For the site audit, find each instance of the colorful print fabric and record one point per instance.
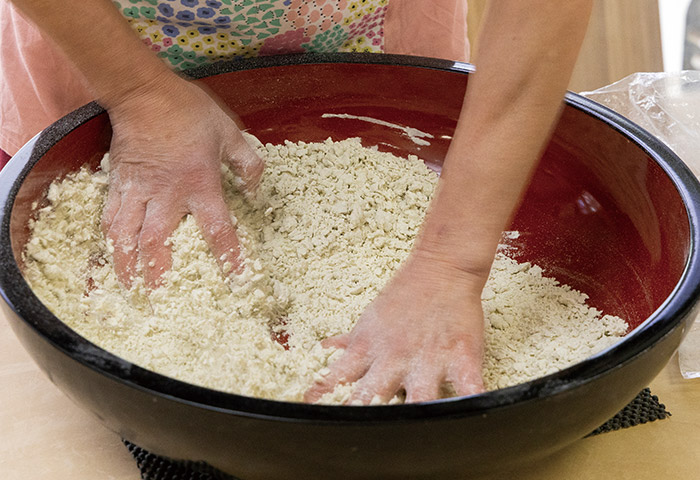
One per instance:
(188, 33)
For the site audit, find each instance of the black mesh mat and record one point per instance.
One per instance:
(644, 408)
(153, 467)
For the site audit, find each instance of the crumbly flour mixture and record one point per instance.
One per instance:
(330, 224)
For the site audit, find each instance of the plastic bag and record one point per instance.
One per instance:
(668, 106)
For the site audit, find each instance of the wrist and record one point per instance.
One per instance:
(467, 245)
(155, 80)
(472, 270)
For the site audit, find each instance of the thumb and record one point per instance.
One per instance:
(242, 157)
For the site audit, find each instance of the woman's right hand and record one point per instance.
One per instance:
(169, 140)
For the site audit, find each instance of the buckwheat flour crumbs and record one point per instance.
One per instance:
(330, 224)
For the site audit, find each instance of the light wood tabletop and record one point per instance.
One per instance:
(43, 435)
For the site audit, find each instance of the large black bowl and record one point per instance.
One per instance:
(610, 211)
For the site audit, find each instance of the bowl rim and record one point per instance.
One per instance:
(20, 298)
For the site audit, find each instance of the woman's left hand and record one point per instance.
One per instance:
(424, 329)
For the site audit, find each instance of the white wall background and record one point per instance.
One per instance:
(672, 15)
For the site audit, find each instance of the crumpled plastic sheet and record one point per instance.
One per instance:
(667, 105)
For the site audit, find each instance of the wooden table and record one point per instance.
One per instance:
(43, 435)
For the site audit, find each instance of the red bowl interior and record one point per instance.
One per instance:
(600, 215)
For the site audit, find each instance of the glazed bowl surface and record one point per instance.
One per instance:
(610, 211)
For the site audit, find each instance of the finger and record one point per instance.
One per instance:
(110, 210)
(245, 162)
(123, 233)
(423, 385)
(214, 221)
(337, 341)
(466, 377)
(379, 384)
(465, 370)
(347, 369)
(155, 254)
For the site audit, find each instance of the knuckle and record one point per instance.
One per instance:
(250, 167)
(219, 230)
(343, 373)
(327, 383)
(122, 242)
(151, 239)
(255, 168)
(362, 395)
(358, 347)
(464, 345)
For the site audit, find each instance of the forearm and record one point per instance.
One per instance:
(100, 43)
(526, 55)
